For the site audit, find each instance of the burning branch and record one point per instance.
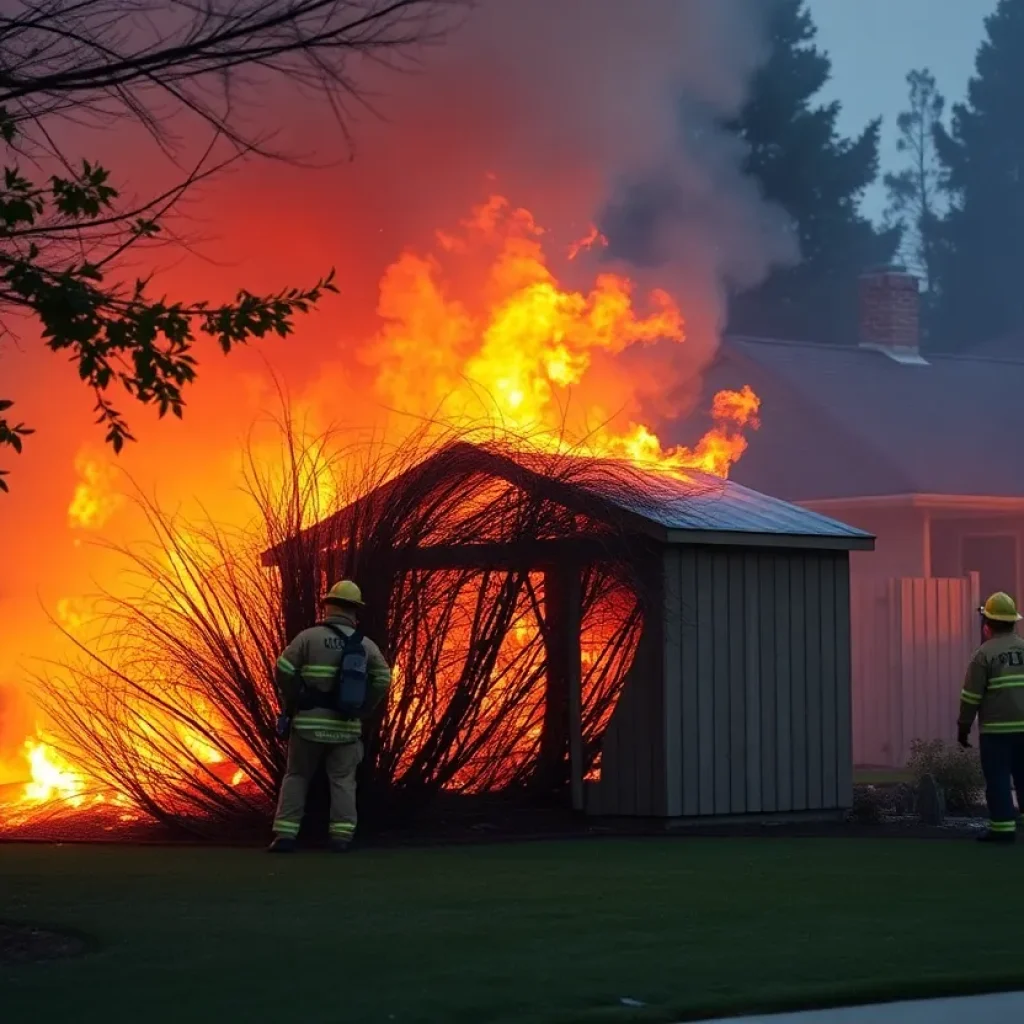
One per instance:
(170, 707)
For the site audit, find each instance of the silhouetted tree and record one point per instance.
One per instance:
(63, 224)
(979, 272)
(819, 178)
(916, 201)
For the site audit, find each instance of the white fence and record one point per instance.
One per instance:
(911, 641)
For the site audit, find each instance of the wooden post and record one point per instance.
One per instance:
(573, 598)
(563, 709)
(554, 739)
(974, 585)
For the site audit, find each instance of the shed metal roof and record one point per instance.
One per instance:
(699, 509)
(718, 511)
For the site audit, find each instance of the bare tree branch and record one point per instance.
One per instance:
(170, 704)
(96, 63)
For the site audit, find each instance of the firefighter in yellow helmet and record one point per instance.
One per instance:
(329, 678)
(994, 691)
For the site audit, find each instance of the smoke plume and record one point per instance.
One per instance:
(587, 112)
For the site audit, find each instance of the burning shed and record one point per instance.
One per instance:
(636, 642)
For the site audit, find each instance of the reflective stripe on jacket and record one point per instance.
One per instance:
(994, 686)
(314, 657)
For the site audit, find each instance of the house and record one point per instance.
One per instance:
(922, 451)
(736, 699)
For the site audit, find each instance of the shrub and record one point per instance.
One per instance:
(957, 771)
(869, 805)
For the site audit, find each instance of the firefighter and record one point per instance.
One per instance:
(329, 678)
(994, 691)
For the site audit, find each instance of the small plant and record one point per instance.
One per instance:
(956, 770)
(869, 806)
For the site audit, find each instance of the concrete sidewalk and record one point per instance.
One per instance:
(993, 1009)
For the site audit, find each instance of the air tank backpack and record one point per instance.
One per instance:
(351, 684)
(349, 694)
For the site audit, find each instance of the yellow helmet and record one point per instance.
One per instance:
(1000, 607)
(345, 592)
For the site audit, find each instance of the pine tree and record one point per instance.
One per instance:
(804, 165)
(915, 193)
(980, 273)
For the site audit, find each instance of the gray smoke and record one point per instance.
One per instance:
(586, 111)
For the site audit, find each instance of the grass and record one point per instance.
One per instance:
(553, 932)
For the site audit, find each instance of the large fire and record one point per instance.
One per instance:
(481, 333)
(56, 785)
(513, 346)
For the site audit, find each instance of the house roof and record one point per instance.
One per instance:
(700, 509)
(846, 422)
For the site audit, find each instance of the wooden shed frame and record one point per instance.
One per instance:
(739, 700)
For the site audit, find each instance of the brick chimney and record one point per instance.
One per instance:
(890, 312)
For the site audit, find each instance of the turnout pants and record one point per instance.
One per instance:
(304, 757)
(1002, 761)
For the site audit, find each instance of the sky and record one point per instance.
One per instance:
(874, 43)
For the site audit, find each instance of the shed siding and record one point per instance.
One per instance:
(633, 779)
(763, 649)
(767, 682)
(844, 686)
(738, 700)
(779, 574)
(672, 669)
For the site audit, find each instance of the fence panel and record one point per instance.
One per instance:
(912, 639)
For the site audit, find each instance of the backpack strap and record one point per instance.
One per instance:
(352, 645)
(350, 640)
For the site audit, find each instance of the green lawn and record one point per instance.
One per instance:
(536, 932)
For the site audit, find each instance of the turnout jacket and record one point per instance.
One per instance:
(994, 686)
(312, 660)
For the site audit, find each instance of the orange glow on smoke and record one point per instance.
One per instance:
(480, 333)
(585, 244)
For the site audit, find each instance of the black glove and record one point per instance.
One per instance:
(283, 725)
(963, 738)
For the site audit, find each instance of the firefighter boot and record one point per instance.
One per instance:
(282, 844)
(990, 836)
(341, 846)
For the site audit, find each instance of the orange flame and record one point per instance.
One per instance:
(508, 349)
(479, 334)
(52, 777)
